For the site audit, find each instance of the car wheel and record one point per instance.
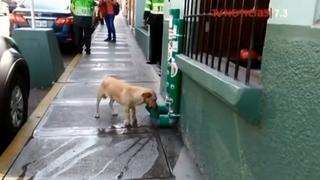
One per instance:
(16, 105)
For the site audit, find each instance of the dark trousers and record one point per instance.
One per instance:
(155, 46)
(110, 27)
(82, 37)
(101, 21)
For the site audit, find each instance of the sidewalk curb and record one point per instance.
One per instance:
(11, 153)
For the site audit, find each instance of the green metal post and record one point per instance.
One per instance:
(173, 84)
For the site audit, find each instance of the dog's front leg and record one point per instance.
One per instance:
(127, 120)
(133, 121)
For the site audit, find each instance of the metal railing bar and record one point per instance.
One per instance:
(208, 42)
(229, 40)
(248, 70)
(205, 47)
(238, 44)
(190, 30)
(222, 38)
(185, 18)
(202, 30)
(194, 31)
(214, 36)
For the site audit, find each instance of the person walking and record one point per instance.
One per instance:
(110, 20)
(83, 12)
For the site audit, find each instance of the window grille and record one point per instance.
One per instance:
(226, 35)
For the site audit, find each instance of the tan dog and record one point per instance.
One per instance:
(127, 95)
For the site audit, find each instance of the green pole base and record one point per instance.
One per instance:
(161, 117)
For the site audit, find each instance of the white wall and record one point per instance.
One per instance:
(299, 12)
(139, 12)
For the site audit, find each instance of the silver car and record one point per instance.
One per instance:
(14, 89)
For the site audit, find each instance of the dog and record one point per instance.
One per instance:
(127, 95)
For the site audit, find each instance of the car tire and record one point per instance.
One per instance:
(15, 105)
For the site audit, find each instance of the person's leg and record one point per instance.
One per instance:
(87, 39)
(159, 29)
(109, 28)
(113, 29)
(78, 37)
(152, 41)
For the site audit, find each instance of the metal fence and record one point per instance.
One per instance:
(227, 35)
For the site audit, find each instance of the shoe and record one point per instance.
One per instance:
(106, 40)
(88, 52)
(113, 41)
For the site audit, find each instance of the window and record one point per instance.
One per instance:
(227, 35)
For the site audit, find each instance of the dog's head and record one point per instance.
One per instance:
(150, 98)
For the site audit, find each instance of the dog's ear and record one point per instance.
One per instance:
(146, 95)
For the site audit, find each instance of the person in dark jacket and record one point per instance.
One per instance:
(83, 12)
(153, 16)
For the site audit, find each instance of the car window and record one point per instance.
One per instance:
(48, 4)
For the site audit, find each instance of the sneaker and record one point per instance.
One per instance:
(108, 39)
(88, 52)
(113, 41)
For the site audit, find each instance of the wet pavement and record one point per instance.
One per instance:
(69, 143)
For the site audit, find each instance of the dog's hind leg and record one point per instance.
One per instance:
(111, 107)
(100, 95)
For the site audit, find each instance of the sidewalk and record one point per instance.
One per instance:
(69, 143)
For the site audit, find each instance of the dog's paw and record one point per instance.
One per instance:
(97, 116)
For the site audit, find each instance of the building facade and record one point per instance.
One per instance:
(264, 125)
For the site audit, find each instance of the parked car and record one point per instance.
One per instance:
(14, 88)
(4, 19)
(48, 14)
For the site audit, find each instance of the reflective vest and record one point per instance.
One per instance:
(154, 6)
(82, 7)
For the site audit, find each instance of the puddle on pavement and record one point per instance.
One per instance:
(118, 129)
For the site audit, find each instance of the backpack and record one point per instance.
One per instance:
(116, 8)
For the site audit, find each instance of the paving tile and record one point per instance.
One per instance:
(125, 156)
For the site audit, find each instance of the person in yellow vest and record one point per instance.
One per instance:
(83, 11)
(153, 16)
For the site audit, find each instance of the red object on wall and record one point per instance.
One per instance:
(244, 55)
